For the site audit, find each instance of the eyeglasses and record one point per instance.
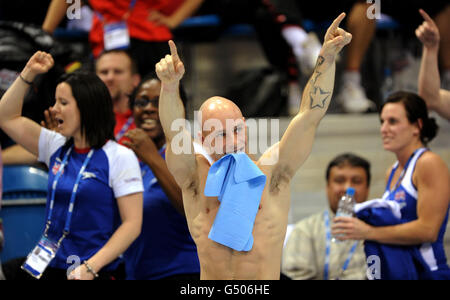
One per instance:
(143, 102)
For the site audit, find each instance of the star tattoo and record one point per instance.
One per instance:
(318, 97)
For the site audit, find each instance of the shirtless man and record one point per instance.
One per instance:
(190, 170)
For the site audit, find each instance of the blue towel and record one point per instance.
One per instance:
(238, 183)
(396, 262)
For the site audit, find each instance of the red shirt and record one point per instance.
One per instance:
(139, 27)
(121, 122)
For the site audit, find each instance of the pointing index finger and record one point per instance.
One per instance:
(425, 16)
(337, 21)
(173, 50)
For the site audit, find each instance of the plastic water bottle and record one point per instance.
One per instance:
(345, 207)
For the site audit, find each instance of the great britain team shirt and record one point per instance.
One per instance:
(112, 172)
(406, 195)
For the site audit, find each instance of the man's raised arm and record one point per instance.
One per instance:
(297, 141)
(180, 153)
(437, 99)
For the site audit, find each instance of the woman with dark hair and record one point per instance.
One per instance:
(165, 248)
(94, 203)
(418, 182)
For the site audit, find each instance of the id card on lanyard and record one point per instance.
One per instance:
(116, 34)
(41, 256)
(44, 252)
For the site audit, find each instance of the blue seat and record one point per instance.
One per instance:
(23, 209)
(70, 34)
(23, 181)
(387, 23)
(203, 21)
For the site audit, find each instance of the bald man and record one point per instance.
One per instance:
(223, 132)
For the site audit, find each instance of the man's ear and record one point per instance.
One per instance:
(136, 80)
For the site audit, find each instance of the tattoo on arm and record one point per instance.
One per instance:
(319, 62)
(318, 96)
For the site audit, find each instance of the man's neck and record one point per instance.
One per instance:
(121, 105)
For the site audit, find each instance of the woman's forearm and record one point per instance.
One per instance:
(12, 101)
(410, 233)
(116, 245)
(131, 211)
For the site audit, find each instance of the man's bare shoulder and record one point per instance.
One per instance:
(192, 185)
(202, 160)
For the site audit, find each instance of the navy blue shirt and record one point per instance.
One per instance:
(406, 194)
(165, 246)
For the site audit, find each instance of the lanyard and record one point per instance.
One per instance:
(124, 128)
(72, 197)
(163, 149)
(328, 247)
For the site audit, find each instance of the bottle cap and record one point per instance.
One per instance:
(350, 191)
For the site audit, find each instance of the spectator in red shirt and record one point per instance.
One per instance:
(118, 70)
(147, 39)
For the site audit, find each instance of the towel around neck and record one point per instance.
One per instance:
(238, 183)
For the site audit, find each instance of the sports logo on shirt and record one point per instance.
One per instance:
(87, 175)
(400, 198)
(133, 179)
(56, 167)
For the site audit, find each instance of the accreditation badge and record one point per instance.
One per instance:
(116, 36)
(41, 256)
